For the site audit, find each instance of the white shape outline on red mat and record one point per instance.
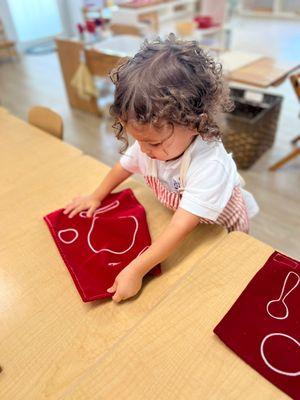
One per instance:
(68, 230)
(279, 371)
(109, 250)
(282, 292)
(288, 262)
(102, 210)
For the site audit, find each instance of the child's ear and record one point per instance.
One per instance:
(193, 132)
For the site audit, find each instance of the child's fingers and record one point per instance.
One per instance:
(74, 203)
(76, 211)
(69, 208)
(91, 211)
(113, 288)
(117, 297)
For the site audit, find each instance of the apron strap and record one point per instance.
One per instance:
(152, 169)
(185, 163)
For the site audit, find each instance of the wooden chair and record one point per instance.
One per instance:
(69, 56)
(99, 64)
(47, 120)
(152, 19)
(295, 80)
(119, 29)
(185, 28)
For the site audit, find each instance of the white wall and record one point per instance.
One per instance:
(71, 15)
(70, 12)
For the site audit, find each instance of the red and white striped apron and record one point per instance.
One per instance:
(234, 216)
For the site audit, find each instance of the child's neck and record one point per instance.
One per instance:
(180, 155)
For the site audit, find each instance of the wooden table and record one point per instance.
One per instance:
(49, 338)
(25, 150)
(157, 345)
(263, 73)
(172, 353)
(121, 45)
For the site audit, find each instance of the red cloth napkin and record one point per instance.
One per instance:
(263, 325)
(96, 249)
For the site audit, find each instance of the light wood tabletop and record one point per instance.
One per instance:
(26, 149)
(49, 338)
(3, 110)
(263, 73)
(172, 353)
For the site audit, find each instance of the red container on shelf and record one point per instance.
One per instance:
(205, 21)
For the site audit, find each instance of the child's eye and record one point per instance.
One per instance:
(155, 144)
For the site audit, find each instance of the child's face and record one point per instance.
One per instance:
(162, 144)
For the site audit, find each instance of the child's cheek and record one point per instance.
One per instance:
(164, 151)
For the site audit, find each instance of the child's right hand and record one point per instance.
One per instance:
(80, 203)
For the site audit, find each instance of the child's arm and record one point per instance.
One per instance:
(128, 282)
(91, 202)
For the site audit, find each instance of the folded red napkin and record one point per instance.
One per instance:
(263, 325)
(96, 249)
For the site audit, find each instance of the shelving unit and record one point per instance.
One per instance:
(165, 11)
(270, 8)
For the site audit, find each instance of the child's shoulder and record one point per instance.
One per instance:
(209, 149)
(207, 153)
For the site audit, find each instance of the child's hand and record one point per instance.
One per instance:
(127, 284)
(80, 203)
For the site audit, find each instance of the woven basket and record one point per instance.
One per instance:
(251, 127)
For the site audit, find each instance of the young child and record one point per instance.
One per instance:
(167, 98)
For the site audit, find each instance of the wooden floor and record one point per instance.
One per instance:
(37, 80)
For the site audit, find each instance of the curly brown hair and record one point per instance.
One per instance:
(169, 81)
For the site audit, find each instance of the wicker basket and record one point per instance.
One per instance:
(251, 127)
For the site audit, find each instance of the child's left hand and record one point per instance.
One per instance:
(127, 284)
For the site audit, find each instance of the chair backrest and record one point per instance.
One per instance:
(100, 64)
(69, 56)
(152, 19)
(47, 120)
(185, 28)
(118, 29)
(295, 80)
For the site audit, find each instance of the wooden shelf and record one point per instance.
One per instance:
(166, 11)
(277, 9)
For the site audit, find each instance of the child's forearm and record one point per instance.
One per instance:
(178, 229)
(115, 176)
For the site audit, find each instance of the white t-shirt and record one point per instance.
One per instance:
(209, 181)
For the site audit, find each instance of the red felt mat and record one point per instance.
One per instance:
(263, 325)
(96, 249)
